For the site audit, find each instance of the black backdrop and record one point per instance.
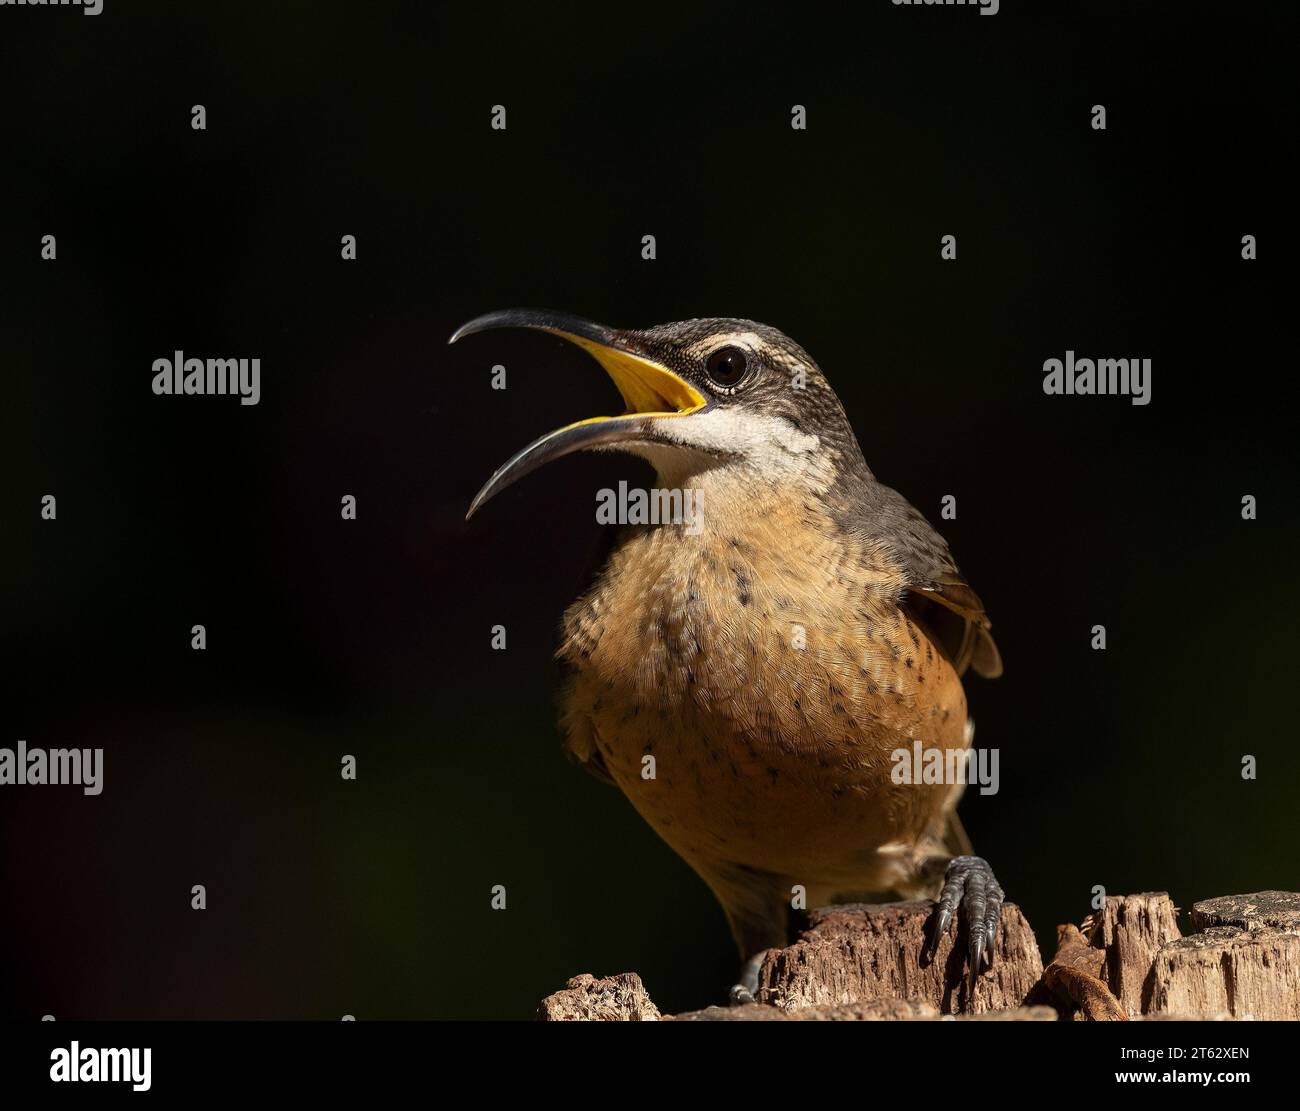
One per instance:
(1119, 768)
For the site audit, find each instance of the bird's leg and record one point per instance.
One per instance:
(970, 883)
(747, 989)
(758, 912)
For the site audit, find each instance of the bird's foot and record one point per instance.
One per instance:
(970, 883)
(746, 990)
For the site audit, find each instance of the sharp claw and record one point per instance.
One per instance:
(940, 928)
(969, 884)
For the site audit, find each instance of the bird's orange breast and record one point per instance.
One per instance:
(746, 687)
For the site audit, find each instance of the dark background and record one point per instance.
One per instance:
(327, 637)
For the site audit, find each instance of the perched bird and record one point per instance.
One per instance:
(772, 653)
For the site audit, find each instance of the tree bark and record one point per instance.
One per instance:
(621, 998)
(1132, 929)
(1278, 909)
(1227, 972)
(863, 953)
(869, 963)
(1074, 978)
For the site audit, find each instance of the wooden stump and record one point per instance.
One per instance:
(1245, 962)
(1131, 929)
(621, 998)
(1277, 909)
(867, 963)
(862, 953)
(1073, 978)
(882, 1010)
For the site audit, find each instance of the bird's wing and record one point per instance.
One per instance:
(967, 639)
(938, 596)
(579, 742)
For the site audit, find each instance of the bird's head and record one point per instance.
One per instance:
(716, 395)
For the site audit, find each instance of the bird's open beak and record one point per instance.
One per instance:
(650, 391)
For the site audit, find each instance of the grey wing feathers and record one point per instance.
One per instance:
(939, 598)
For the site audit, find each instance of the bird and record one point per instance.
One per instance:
(744, 677)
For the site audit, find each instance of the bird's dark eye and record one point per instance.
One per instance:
(727, 366)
